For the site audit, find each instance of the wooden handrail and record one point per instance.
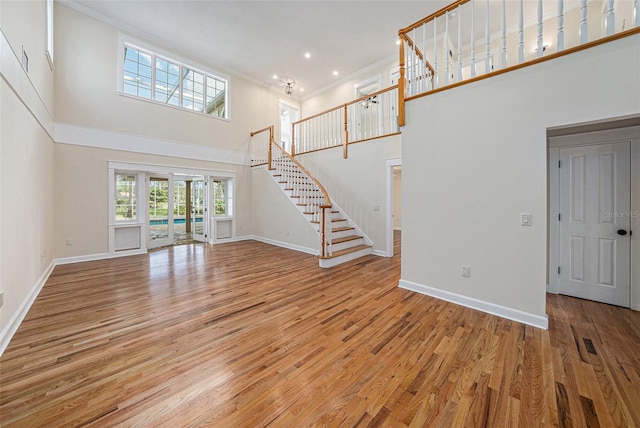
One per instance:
(299, 165)
(418, 51)
(435, 15)
(318, 114)
(267, 128)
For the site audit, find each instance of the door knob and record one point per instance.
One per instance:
(622, 232)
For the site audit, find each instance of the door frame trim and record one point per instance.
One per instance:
(390, 164)
(554, 144)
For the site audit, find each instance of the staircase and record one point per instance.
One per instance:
(343, 240)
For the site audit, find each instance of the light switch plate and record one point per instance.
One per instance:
(525, 219)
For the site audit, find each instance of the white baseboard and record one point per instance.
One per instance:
(99, 256)
(233, 239)
(481, 305)
(287, 245)
(380, 253)
(15, 321)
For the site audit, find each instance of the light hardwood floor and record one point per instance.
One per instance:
(249, 335)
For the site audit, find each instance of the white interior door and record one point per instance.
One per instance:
(595, 219)
(199, 209)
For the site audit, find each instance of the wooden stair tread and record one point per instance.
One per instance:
(345, 239)
(346, 251)
(342, 229)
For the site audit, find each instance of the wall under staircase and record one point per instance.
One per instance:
(284, 227)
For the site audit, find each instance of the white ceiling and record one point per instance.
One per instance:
(261, 38)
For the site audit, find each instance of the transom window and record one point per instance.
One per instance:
(152, 77)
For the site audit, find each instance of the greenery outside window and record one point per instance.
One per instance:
(152, 77)
(126, 198)
(222, 202)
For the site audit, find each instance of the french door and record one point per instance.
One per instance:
(199, 211)
(177, 209)
(161, 216)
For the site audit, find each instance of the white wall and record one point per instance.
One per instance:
(475, 157)
(358, 183)
(344, 90)
(276, 219)
(86, 93)
(81, 194)
(26, 162)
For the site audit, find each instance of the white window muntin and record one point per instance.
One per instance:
(156, 53)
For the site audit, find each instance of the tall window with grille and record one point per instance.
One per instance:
(126, 198)
(222, 201)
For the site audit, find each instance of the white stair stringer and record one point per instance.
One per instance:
(348, 242)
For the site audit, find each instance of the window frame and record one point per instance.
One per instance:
(157, 53)
(49, 33)
(114, 197)
(228, 197)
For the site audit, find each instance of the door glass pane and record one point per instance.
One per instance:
(181, 225)
(198, 207)
(158, 208)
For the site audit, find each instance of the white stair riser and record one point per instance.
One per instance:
(347, 244)
(342, 234)
(327, 263)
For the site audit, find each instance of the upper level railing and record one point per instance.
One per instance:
(368, 117)
(473, 39)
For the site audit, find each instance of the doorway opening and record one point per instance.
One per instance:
(289, 114)
(593, 212)
(177, 210)
(394, 205)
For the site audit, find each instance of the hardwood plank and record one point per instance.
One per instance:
(246, 334)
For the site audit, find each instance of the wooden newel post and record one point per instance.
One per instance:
(270, 146)
(345, 133)
(402, 83)
(293, 139)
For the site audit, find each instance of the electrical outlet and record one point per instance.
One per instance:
(466, 271)
(69, 242)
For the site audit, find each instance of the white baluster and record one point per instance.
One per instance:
(610, 18)
(540, 39)
(473, 39)
(560, 25)
(435, 52)
(521, 33)
(636, 12)
(487, 42)
(414, 59)
(584, 32)
(459, 45)
(446, 48)
(504, 34)
(423, 64)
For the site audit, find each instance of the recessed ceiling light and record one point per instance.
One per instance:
(301, 89)
(275, 76)
(398, 42)
(335, 72)
(307, 55)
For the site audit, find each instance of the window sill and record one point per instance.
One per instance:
(133, 97)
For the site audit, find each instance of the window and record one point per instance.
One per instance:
(49, 49)
(149, 76)
(125, 198)
(222, 202)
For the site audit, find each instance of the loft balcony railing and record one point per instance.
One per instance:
(473, 39)
(369, 117)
